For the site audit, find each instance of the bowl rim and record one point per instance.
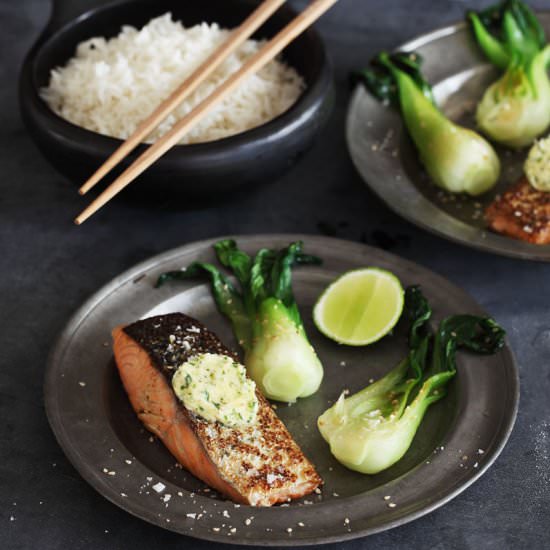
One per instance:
(88, 140)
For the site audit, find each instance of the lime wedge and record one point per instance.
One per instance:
(359, 307)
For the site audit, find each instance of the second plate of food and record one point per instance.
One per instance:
(94, 423)
(387, 160)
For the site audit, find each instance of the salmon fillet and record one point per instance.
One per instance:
(522, 212)
(259, 465)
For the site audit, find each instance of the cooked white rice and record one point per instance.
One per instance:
(110, 86)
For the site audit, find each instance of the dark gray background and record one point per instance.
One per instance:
(49, 267)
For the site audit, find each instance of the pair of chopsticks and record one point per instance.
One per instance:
(267, 53)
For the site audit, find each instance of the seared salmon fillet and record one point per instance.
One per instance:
(522, 212)
(259, 464)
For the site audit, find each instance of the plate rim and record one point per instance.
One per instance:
(505, 427)
(485, 240)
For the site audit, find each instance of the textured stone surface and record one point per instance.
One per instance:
(48, 267)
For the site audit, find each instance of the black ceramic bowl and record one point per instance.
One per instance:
(253, 157)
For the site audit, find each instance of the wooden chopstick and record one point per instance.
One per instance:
(244, 31)
(270, 50)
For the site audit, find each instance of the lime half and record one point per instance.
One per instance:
(360, 306)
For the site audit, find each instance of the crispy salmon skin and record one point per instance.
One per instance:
(522, 212)
(259, 465)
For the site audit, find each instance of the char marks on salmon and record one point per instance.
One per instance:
(258, 464)
(522, 212)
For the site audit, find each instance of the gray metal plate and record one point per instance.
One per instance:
(386, 158)
(100, 434)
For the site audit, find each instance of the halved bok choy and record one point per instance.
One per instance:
(264, 316)
(515, 109)
(371, 430)
(457, 159)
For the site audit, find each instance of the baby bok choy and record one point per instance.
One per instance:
(264, 316)
(515, 109)
(457, 158)
(371, 430)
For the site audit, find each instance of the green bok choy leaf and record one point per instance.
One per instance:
(515, 109)
(371, 430)
(264, 316)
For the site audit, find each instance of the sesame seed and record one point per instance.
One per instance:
(387, 497)
(480, 451)
(289, 529)
(233, 529)
(301, 524)
(392, 505)
(346, 521)
(83, 384)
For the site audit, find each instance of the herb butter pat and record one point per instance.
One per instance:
(216, 387)
(537, 165)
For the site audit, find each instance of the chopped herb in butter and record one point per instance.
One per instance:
(537, 165)
(216, 387)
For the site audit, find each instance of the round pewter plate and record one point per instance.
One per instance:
(100, 434)
(387, 160)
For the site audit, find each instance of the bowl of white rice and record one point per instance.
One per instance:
(93, 77)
